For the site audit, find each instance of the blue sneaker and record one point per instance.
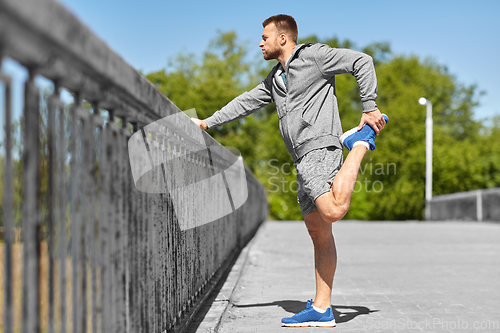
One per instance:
(310, 317)
(365, 134)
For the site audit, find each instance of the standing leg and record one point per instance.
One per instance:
(325, 257)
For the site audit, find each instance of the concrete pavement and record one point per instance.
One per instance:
(391, 277)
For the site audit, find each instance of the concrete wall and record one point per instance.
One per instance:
(477, 205)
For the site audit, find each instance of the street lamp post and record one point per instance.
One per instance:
(428, 157)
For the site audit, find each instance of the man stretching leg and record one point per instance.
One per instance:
(302, 85)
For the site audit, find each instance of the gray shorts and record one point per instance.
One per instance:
(314, 170)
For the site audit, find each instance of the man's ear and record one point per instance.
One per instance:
(283, 39)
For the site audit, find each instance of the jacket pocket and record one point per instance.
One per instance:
(301, 129)
(309, 116)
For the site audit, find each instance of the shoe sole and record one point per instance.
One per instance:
(354, 130)
(347, 134)
(312, 324)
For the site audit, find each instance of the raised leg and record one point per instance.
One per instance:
(333, 205)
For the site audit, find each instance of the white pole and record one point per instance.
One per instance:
(428, 157)
(428, 161)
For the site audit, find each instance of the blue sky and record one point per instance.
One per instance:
(462, 35)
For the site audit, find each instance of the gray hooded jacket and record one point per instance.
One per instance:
(307, 105)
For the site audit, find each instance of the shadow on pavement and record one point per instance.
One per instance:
(351, 313)
(341, 313)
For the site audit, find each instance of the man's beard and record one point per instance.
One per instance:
(273, 54)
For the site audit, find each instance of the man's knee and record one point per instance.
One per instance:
(334, 213)
(330, 210)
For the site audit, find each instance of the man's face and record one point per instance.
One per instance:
(269, 44)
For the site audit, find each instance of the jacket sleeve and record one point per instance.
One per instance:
(333, 61)
(243, 105)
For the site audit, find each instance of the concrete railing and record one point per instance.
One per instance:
(477, 205)
(98, 254)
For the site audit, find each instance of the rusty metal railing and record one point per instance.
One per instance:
(97, 255)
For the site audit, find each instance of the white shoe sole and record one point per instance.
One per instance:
(313, 324)
(347, 134)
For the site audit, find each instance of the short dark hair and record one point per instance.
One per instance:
(285, 25)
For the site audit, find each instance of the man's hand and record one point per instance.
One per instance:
(200, 123)
(374, 119)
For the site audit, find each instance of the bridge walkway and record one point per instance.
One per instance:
(391, 277)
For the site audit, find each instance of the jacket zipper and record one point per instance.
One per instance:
(287, 65)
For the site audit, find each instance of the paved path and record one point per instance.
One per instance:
(391, 277)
